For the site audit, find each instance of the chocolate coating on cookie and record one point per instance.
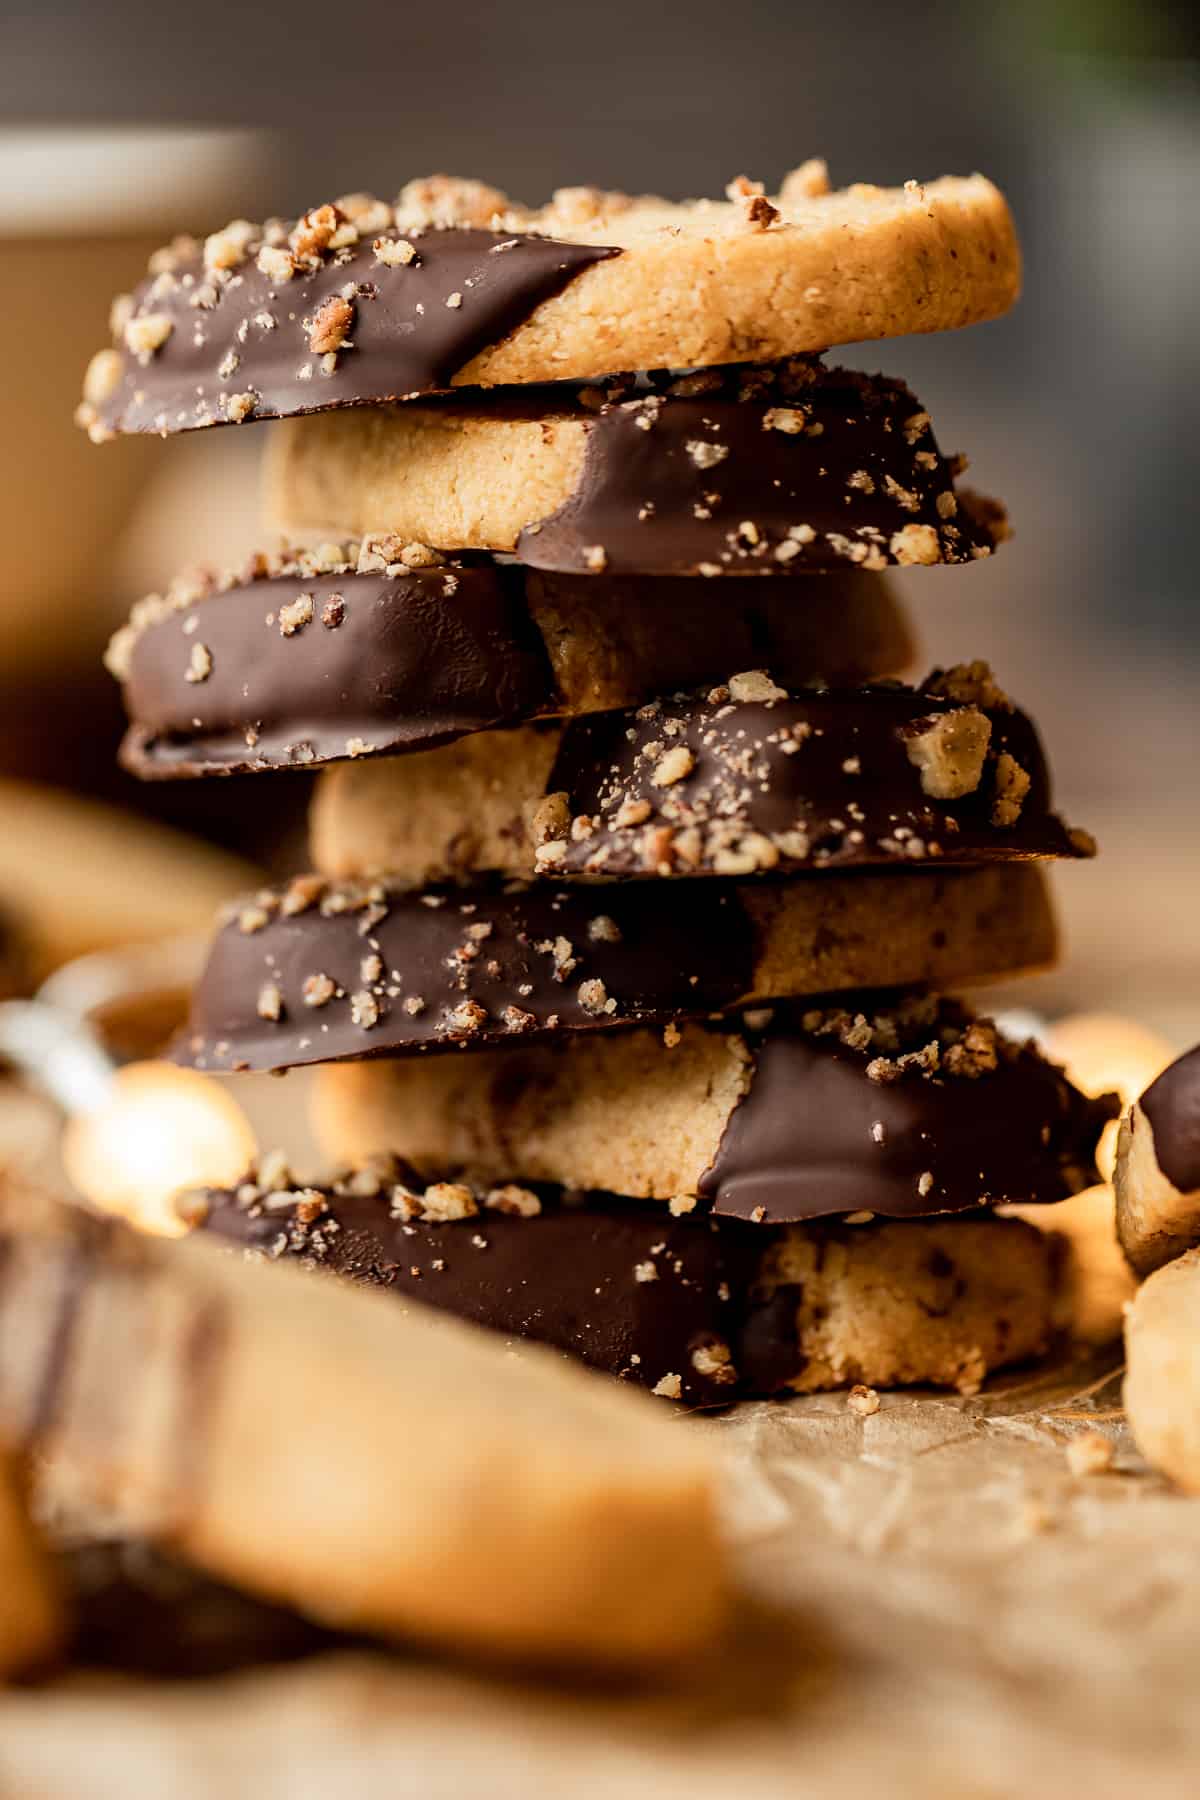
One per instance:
(1172, 1105)
(899, 1109)
(319, 972)
(317, 319)
(624, 1287)
(749, 778)
(285, 671)
(809, 469)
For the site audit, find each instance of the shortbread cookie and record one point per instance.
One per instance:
(362, 301)
(32, 1617)
(516, 1506)
(1162, 1370)
(702, 1310)
(776, 471)
(900, 1107)
(348, 650)
(742, 779)
(1158, 1168)
(318, 971)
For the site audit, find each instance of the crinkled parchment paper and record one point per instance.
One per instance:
(934, 1606)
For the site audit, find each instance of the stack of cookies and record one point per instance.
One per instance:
(639, 875)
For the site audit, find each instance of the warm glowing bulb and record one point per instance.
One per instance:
(160, 1131)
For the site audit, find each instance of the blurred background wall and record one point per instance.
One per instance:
(1081, 409)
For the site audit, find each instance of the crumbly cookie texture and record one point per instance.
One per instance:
(894, 1304)
(1162, 1370)
(1157, 1175)
(32, 1622)
(236, 1415)
(696, 283)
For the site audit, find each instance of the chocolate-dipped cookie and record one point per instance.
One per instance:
(361, 300)
(320, 971)
(696, 1309)
(898, 1107)
(749, 777)
(1157, 1175)
(782, 470)
(347, 651)
(741, 779)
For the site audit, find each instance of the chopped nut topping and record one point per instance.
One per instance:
(594, 998)
(595, 557)
(102, 378)
(295, 615)
(754, 685)
(517, 1202)
(715, 1363)
(270, 1002)
(238, 407)
(916, 544)
(364, 1009)
(950, 750)
(704, 454)
(318, 990)
(808, 182)
(550, 819)
(228, 249)
(330, 324)
(1012, 785)
(669, 1388)
(312, 235)
(200, 664)
(973, 684)
(788, 419)
(645, 1271)
(276, 263)
(148, 332)
(674, 765)
(394, 253)
(862, 1400)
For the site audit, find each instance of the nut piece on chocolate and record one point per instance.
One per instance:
(1158, 1168)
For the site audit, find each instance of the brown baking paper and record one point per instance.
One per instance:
(934, 1605)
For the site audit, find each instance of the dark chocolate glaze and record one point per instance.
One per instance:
(138, 1610)
(1172, 1105)
(815, 1135)
(520, 960)
(386, 663)
(825, 777)
(654, 502)
(404, 338)
(568, 1277)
